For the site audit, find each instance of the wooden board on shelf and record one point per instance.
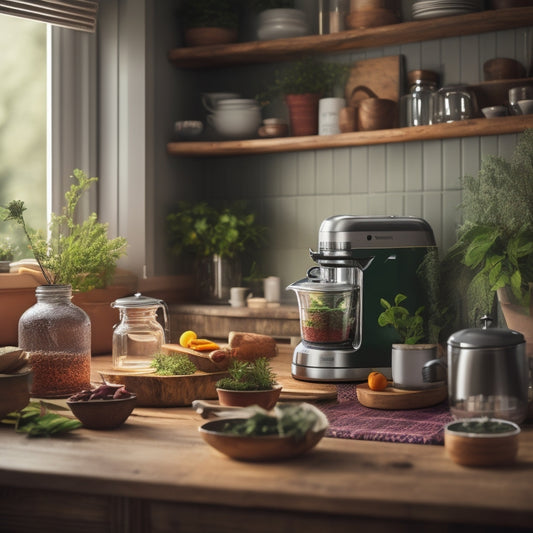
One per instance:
(382, 75)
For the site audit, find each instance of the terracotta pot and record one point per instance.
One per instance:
(209, 36)
(517, 317)
(263, 398)
(13, 302)
(303, 113)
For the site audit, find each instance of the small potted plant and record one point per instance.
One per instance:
(217, 239)
(7, 253)
(209, 22)
(408, 356)
(249, 383)
(303, 84)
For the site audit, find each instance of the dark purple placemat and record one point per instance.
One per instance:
(348, 419)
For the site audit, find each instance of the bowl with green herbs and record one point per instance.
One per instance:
(482, 441)
(289, 430)
(249, 383)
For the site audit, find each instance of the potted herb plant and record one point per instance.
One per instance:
(492, 258)
(78, 255)
(408, 356)
(303, 84)
(209, 22)
(7, 254)
(249, 383)
(217, 239)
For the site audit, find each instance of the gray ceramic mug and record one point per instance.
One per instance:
(407, 363)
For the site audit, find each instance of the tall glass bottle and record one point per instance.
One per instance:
(56, 334)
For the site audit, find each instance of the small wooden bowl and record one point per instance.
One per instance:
(209, 36)
(14, 391)
(481, 449)
(370, 18)
(266, 399)
(103, 414)
(503, 68)
(377, 114)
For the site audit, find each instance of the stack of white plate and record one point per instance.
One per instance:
(428, 9)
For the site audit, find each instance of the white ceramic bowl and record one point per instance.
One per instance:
(281, 24)
(236, 123)
(494, 111)
(526, 106)
(211, 100)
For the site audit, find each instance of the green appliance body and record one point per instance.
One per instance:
(378, 257)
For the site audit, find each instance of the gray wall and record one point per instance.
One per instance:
(293, 192)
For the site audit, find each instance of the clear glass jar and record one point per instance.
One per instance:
(56, 334)
(139, 336)
(418, 106)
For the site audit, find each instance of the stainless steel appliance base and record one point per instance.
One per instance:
(337, 364)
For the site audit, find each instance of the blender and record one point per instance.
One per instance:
(360, 259)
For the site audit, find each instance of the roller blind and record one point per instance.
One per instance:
(74, 14)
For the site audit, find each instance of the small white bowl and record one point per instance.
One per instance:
(494, 111)
(526, 106)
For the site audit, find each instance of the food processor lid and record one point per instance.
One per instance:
(137, 300)
(486, 337)
(318, 285)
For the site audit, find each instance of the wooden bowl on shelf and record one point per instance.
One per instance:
(370, 18)
(503, 68)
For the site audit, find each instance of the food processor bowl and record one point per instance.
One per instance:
(327, 311)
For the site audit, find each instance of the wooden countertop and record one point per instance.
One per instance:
(156, 474)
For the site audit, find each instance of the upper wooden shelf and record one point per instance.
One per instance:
(462, 128)
(405, 32)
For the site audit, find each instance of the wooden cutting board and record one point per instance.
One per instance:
(383, 75)
(392, 398)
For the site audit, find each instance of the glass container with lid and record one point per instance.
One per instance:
(139, 336)
(326, 311)
(418, 106)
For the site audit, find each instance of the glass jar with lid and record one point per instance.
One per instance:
(56, 334)
(417, 107)
(139, 336)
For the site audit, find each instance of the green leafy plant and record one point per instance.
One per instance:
(248, 375)
(37, 419)
(172, 365)
(75, 254)
(494, 247)
(210, 13)
(7, 249)
(410, 327)
(306, 76)
(203, 230)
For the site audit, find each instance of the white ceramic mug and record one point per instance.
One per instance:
(238, 296)
(328, 115)
(271, 289)
(407, 362)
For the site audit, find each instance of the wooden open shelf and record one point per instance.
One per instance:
(405, 32)
(463, 128)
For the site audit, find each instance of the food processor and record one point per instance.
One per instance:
(361, 259)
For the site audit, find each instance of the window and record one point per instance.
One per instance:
(23, 143)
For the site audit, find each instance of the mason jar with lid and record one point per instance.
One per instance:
(139, 336)
(56, 334)
(417, 107)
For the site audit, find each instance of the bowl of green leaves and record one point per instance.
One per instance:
(287, 431)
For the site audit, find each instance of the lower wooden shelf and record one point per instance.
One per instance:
(463, 128)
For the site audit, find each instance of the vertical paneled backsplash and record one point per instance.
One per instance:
(293, 192)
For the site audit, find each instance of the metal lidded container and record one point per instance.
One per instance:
(488, 373)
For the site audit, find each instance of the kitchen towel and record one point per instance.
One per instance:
(348, 419)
